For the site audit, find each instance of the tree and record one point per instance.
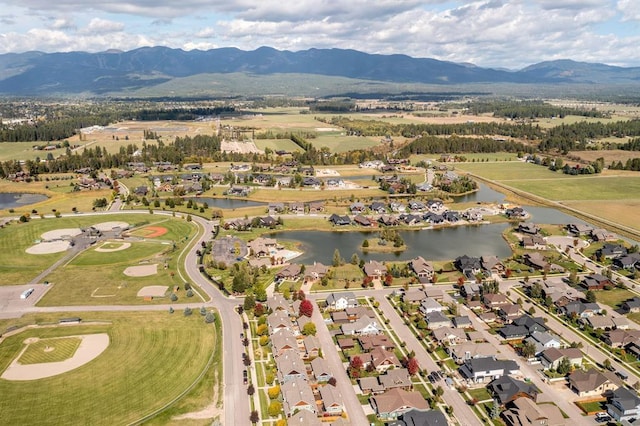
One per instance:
(564, 367)
(388, 279)
(187, 311)
(355, 366)
(258, 310)
(189, 293)
(590, 296)
(337, 259)
(203, 311)
(607, 364)
(209, 318)
(332, 381)
(495, 410)
(413, 366)
(355, 259)
(274, 408)
(528, 349)
(309, 329)
(249, 302)
(274, 392)
(438, 392)
(251, 389)
(262, 330)
(254, 417)
(173, 297)
(306, 308)
(365, 243)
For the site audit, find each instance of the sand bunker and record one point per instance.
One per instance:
(49, 247)
(122, 246)
(141, 271)
(109, 226)
(153, 291)
(61, 234)
(90, 347)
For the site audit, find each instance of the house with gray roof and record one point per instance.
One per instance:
(479, 370)
(428, 305)
(421, 418)
(331, 400)
(290, 367)
(320, 370)
(339, 301)
(283, 340)
(362, 326)
(506, 389)
(470, 350)
(543, 340)
(374, 269)
(297, 395)
(436, 320)
(624, 405)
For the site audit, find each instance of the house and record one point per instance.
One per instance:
(470, 350)
(596, 282)
(631, 305)
(375, 270)
(495, 301)
(279, 320)
(581, 309)
(599, 322)
(531, 323)
(296, 208)
(428, 305)
(378, 207)
(579, 229)
(620, 323)
(331, 400)
(392, 403)
(316, 207)
(448, 336)
(345, 343)
(297, 395)
(513, 332)
(396, 378)
(509, 312)
(303, 418)
(368, 343)
(357, 312)
(469, 266)
(276, 208)
(543, 340)
(621, 338)
(380, 359)
(290, 367)
(414, 296)
(338, 220)
(290, 272)
(141, 191)
(488, 317)
(362, 326)
(357, 207)
(493, 264)
(267, 222)
(590, 383)
(528, 228)
(315, 272)
(311, 345)
(537, 261)
(436, 320)
(282, 341)
(371, 385)
(525, 412)
(423, 269)
(602, 235)
(533, 242)
(462, 322)
(262, 247)
(320, 370)
(341, 300)
(506, 389)
(387, 220)
(362, 220)
(277, 302)
(550, 358)
(516, 213)
(479, 370)
(421, 418)
(470, 290)
(624, 404)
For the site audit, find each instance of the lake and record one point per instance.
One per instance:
(433, 244)
(10, 200)
(225, 203)
(484, 194)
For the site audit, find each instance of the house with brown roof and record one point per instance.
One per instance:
(283, 340)
(414, 296)
(470, 350)
(290, 367)
(619, 338)
(277, 302)
(375, 270)
(590, 383)
(390, 404)
(533, 242)
(279, 320)
(304, 418)
(290, 272)
(550, 358)
(495, 301)
(331, 400)
(320, 370)
(345, 343)
(370, 385)
(449, 336)
(297, 395)
(369, 343)
(423, 269)
(525, 412)
(509, 312)
(596, 282)
(396, 378)
(311, 345)
(380, 359)
(315, 272)
(356, 312)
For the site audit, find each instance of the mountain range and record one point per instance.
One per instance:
(116, 72)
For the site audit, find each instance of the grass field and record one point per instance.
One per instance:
(278, 144)
(24, 151)
(608, 155)
(508, 171)
(50, 350)
(337, 142)
(625, 212)
(613, 297)
(148, 363)
(96, 278)
(16, 267)
(582, 188)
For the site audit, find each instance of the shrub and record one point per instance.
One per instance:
(173, 297)
(274, 408)
(274, 392)
(209, 318)
(264, 340)
(189, 293)
(269, 378)
(203, 311)
(187, 311)
(171, 310)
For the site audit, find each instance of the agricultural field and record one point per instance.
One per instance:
(608, 155)
(508, 171)
(547, 123)
(593, 187)
(625, 212)
(18, 267)
(338, 142)
(146, 365)
(25, 151)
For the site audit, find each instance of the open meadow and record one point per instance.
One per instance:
(149, 362)
(18, 267)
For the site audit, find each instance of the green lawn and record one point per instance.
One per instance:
(278, 144)
(337, 142)
(592, 406)
(151, 359)
(345, 274)
(613, 297)
(508, 171)
(50, 350)
(593, 187)
(481, 394)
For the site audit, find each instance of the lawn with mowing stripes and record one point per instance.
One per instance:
(50, 350)
(17, 267)
(152, 357)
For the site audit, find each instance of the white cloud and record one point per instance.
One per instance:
(102, 26)
(63, 24)
(630, 10)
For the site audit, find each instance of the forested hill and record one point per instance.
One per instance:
(37, 73)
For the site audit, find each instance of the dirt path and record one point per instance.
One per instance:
(211, 411)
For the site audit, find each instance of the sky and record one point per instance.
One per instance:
(490, 33)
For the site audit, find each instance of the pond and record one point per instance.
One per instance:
(432, 244)
(484, 194)
(10, 200)
(226, 203)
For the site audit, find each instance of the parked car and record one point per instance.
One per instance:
(245, 377)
